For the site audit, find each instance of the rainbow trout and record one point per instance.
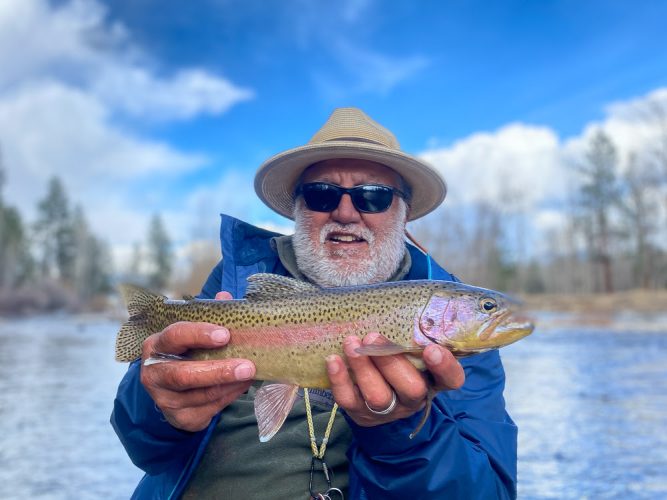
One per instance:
(288, 327)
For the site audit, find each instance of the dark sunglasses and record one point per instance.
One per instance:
(366, 198)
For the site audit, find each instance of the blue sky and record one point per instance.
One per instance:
(437, 69)
(170, 106)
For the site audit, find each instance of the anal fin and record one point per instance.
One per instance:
(273, 402)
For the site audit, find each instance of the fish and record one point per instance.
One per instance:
(287, 328)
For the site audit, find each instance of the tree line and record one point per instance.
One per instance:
(58, 262)
(614, 235)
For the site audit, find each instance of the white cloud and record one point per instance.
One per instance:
(533, 162)
(73, 44)
(37, 40)
(321, 23)
(68, 80)
(372, 71)
(528, 169)
(187, 94)
(233, 195)
(339, 33)
(518, 164)
(48, 129)
(549, 220)
(636, 126)
(362, 70)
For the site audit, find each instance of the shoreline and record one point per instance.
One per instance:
(639, 301)
(631, 310)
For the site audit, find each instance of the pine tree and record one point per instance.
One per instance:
(15, 259)
(92, 268)
(159, 254)
(55, 234)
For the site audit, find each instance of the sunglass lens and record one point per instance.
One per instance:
(373, 199)
(321, 197)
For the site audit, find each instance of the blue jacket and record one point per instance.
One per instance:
(466, 450)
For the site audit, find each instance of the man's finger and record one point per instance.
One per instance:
(223, 296)
(373, 387)
(343, 389)
(179, 337)
(402, 376)
(179, 376)
(194, 419)
(445, 368)
(171, 401)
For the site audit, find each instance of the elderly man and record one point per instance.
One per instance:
(190, 425)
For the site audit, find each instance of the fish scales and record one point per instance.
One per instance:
(289, 337)
(288, 328)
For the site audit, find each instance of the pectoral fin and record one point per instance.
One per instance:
(273, 402)
(163, 357)
(388, 349)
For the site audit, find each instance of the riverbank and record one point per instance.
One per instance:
(640, 310)
(641, 301)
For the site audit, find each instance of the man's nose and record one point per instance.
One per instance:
(345, 211)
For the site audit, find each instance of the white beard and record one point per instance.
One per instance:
(327, 269)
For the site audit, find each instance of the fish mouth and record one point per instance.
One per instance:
(515, 327)
(506, 328)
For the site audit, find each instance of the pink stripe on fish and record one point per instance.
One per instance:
(300, 335)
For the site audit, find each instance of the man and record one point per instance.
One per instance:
(190, 425)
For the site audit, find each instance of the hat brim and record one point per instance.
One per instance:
(276, 178)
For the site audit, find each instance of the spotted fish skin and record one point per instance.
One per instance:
(287, 336)
(288, 327)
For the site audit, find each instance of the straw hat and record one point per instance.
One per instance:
(348, 133)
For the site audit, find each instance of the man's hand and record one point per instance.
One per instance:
(191, 393)
(374, 378)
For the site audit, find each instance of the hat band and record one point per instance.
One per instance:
(354, 139)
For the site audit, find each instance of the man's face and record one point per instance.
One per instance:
(347, 247)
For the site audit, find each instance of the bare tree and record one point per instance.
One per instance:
(599, 194)
(655, 115)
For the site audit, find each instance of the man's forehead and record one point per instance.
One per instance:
(357, 171)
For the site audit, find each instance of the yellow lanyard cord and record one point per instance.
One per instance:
(311, 429)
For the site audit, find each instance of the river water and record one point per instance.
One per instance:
(591, 406)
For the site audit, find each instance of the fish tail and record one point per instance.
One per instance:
(140, 303)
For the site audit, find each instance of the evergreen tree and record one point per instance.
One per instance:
(15, 259)
(136, 262)
(159, 254)
(55, 233)
(92, 260)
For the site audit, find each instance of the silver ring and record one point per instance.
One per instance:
(388, 409)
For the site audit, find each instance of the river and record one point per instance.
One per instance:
(591, 406)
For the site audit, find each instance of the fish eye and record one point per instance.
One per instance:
(488, 304)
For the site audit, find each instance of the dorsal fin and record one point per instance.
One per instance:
(264, 286)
